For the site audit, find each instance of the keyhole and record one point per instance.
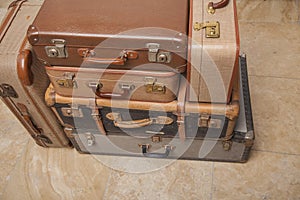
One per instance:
(53, 53)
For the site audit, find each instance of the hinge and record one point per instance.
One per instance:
(68, 80)
(212, 29)
(58, 50)
(153, 87)
(7, 90)
(155, 55)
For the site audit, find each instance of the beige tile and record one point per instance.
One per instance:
(56, 174)
(5, 3)
(272, 49)
(265, 176)
(268, 11)
(181, 180)
(276, 113)
(13, 141)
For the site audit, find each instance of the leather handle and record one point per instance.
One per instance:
(133, 123)
(89, 57)
(108, 95)
(108, 61)
(24, 61)
(213, 6)
(156, 155)
(118, 122)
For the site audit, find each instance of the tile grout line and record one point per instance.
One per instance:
(281, 153)
(212, 181)
(107, 183)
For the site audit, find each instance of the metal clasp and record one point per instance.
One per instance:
(212, 29)
(90, 139)
(7, 91)
(57, 51)
(153, 87)
(68, 80)
(155, 55)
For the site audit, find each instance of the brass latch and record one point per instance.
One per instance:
(68, 80)
(212, 29)
(153, 87)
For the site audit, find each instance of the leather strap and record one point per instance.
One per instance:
(14, 8)
(181, 108)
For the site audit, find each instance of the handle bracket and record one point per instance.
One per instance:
(146, 147)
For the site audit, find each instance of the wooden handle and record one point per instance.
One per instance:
(213, 6)
(24, 61)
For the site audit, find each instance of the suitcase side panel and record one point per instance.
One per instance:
(29, 97)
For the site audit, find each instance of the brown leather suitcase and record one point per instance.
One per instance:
(136, 84)
(178, 129)
(116, 34)
(23, 81)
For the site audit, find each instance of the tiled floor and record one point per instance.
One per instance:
(270, 32)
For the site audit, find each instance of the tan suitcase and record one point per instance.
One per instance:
(214, 50)
(136, 85)
(23, 81)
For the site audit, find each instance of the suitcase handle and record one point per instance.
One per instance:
(145, 147)
(24, 61)
(108, 95)
(88, 56)
(118, 122)
(213, 6)
(133, 124)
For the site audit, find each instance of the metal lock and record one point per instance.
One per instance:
(156, 138)
(90, 139)
(153, 87)
(155, 55)
(71, 112)
(212, 29)
(58, 50)
(68, 80)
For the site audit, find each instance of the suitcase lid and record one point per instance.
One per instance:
(88, 23)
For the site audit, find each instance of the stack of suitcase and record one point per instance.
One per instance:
(165, 82)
